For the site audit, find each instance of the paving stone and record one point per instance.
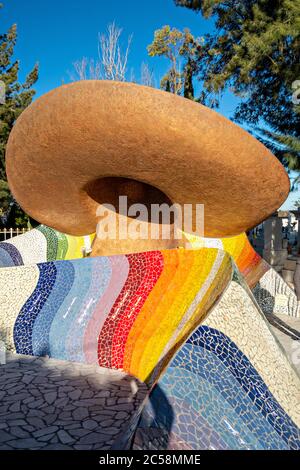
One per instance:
(61, 402)
(27, 378)
(28, 400)
(50, 397)
(66, 389)
(39, 380)
(15, 406)
(80, 414)
(90, 424)
(16, 397)
(87, 393)
(16, 389)
(123, 400)
(123, 407)
(65, 415)
(59, 447)
(44, 431)
(36, 422)
(11, 416)
(29, 428)
(4, 436)
(36, 403)
(93, 438)
(69, 407)
(79, 432)
(28, 443)
(49, 409)
(111, 401)
(3, 409)
(103, 393)
(19, 432)
(112, 430)
(46, 438)
(34, 392)
(72, 425)
(64, 437)
(17, 422)
(83, 447)
(50, 419)
(106, 423)
(122, 415)
(38, 413)
(75, 394)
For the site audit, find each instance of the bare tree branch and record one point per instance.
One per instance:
(111, 57)
(147, 75)
(112, 60)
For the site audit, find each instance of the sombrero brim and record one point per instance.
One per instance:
(88, 130)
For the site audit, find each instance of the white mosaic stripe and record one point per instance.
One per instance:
(282, 300)
(237, 316)
(32, 246)
(17, 284)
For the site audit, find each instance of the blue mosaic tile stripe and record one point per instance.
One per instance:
(178, 418)
(200, 378)
(67, 312)
(30, 310)
(13, 253)
(41, 328)
(5, 258)
(244, 372)
(99, 279)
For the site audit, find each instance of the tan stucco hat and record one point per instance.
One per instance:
(67, 141)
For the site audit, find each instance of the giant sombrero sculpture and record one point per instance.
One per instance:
(85, 144)
(182, 319)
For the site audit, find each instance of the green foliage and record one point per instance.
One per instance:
(255, 52)
(17, 97)
(179, 47)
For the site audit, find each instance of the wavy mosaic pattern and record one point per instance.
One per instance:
(271, 292)
(40, 245)
(124, 312)
(45, 244)
(249, 263)
(229, 387)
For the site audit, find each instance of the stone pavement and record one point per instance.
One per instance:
(51, 404)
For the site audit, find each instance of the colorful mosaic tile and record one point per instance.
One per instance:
(229, 387)
(40, 245)
(145, 322)
(183, 321)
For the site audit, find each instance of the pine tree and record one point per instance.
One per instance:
(255, 52)
(180, 48)
(15, 98)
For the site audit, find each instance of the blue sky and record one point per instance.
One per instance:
(56, 33)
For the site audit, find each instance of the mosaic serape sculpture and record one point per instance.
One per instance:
(46, 244)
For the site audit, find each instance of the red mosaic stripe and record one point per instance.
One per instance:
(152, 267)
(127, 305)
